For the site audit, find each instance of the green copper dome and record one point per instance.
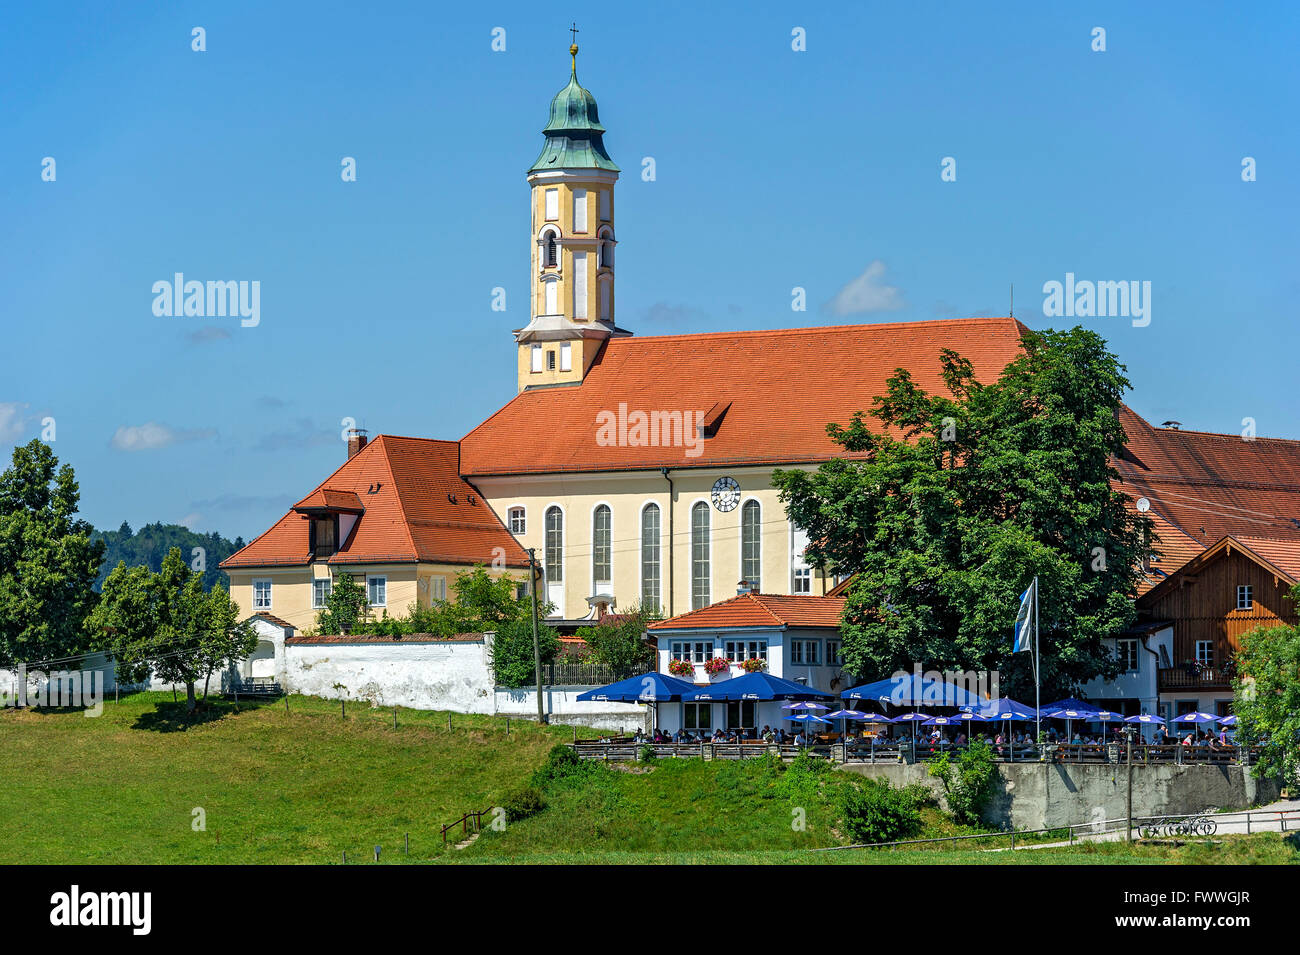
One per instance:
(574, 136)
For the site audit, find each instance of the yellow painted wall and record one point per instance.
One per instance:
(291, 587)
(626, 493)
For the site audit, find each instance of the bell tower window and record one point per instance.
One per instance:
(551, 251)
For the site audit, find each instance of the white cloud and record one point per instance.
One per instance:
(152, 435)
(13, 423)
(867, 293)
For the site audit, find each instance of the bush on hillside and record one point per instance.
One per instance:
(876, 812)
(522, 802)
(969, 783)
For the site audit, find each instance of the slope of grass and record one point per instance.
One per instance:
(275, 787)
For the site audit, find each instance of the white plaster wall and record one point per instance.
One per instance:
(441, 675)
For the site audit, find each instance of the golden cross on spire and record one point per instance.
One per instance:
(574, 30)
(573, 50)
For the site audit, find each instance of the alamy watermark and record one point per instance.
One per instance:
(193, 299)
(60, 688)
(651, 429)
(1087, 299)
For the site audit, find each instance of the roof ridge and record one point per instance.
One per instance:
(814, 329)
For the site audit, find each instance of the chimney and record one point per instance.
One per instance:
(356, 441)
(1172, 425)
(743, 587)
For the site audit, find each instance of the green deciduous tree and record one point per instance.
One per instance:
(47, 559)
(166, 624)
(1267, 700)
(619, 642)
(949, 509)
(344, 607)
(512, 651)
(969, 781)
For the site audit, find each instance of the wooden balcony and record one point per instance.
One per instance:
(1195, 678)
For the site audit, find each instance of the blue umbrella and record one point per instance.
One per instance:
(1070, 715)
(913, 690)
(850, 715)
(1228, 720)
(807, 718)
(804, 706)
(646, 688)
(754, 686)
(1143, 718)
(1196, 717)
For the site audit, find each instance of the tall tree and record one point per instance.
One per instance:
(619, 641)
(165, 623)
(48, 561)
(1267, 694)
(954, 503)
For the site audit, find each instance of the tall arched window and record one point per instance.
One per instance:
(601, 549)
(650, 557)
(554, 545)
(751, 544)
(700, 572)
(606, 260)
(550, 251)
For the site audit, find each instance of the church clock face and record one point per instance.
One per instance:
(726, 494)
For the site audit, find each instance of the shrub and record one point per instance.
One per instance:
(875, 812)
(522, 803)
(968, 784)
(561, 762)
(647, 754)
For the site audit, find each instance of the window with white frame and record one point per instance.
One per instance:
(800, 569)
(550, 250)
(377, 591)
(1126, 652)
(535, 358)
(551, 296)
(701, 574)
(834, 653)
(1245, 597)
(518, 520)
(691, 651)
(650, 557)
(554, 545)
(437, 588)
(604, 205)
(566, 357)
(579, 210)
(261, 595)
(552, 205)
(580, 285)
(751, 545)
(738, 651)
(602, 547)
(320, 592)
(805, 652)
(1205, 652)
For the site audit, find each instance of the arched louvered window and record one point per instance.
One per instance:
(551, 251)
(751, 544)
(701, 575)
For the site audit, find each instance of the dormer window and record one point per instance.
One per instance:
(324, 537)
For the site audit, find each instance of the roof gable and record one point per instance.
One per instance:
(759, 610)
(413, 506)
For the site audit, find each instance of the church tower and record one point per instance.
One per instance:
(572, 239)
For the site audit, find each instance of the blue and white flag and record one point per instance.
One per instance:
(1024, 638)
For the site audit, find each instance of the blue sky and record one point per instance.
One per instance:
(775, 169)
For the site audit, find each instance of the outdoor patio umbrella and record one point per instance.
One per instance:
(1108, 716)
(912, 718)
(1144, 718)
(845, 716)
(651, 688)
(807, 718)
(914, 690)
(1070, 715)
(1003, 709)
(1196, 716)
(1228, 720)
(805, 705)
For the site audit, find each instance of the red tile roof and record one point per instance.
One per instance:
(773, 392)
(331, 499)
(760, 610)
(1203, 487)
(417, 508)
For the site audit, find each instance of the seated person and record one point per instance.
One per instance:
(768, 735)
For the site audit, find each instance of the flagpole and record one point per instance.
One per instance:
(1038, 716)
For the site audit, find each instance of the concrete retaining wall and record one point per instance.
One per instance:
(1046, 795)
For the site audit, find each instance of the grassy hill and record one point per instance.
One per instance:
(308, 785)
